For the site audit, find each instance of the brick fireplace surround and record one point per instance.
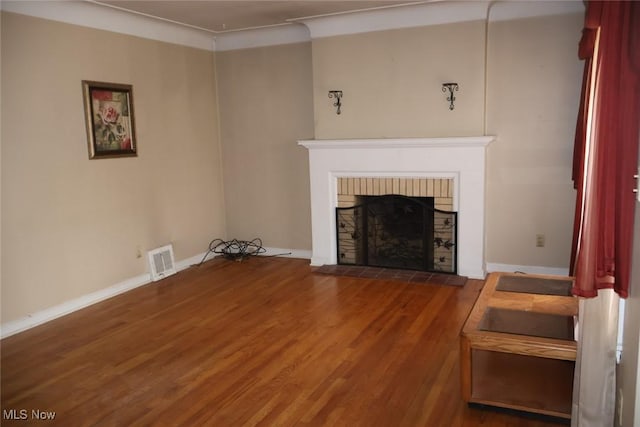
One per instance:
(459, 160)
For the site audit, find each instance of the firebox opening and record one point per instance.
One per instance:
(396, 231)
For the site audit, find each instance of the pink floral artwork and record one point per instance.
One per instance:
(111, 120)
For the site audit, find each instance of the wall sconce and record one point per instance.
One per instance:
(337, 94)
(450, 87)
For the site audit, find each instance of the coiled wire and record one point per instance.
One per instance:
(234, 249)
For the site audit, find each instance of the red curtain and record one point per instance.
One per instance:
(606, 148)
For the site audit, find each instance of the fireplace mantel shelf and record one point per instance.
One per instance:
(454, 141)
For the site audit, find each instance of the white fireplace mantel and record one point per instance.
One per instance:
(459, 158)
(395, 143)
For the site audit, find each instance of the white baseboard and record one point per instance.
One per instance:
(288, 253)
(186, 263)
(319, 261)
(13, 327)
(529, 269)
(472, 274)
(274, 252)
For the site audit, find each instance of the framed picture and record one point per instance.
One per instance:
(109, 118)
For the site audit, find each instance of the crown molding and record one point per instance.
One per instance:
(94, 15)
(508, 10)
(265, 36)
(434, 13)
(417, 15)
(88, 14)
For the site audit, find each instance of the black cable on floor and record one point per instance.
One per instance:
(234, 249)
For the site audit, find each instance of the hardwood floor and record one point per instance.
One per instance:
(259, 342)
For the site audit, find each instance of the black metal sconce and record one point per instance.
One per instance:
(337, 94)
(451, 87)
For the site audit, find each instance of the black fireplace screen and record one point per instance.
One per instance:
(394, 231)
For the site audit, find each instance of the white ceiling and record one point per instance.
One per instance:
(233, 15)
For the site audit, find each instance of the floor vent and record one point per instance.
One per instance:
(161, 262)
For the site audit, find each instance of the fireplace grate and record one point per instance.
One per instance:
(395, 231)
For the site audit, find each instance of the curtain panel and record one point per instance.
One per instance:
(606, 148)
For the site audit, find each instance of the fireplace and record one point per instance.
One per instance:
(456, 164)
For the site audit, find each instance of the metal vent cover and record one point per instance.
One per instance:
(161, 262)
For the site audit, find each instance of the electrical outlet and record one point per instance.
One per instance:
(540, 240)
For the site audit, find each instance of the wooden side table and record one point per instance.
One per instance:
(517, 348)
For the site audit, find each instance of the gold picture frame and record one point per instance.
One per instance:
(109, 119)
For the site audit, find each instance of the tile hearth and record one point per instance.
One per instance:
(407, 276)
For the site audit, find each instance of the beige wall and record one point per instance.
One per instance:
(72, 226)
(534, 79)
(266, 105)
(392, 88)
(81, 221)
(1, 173)
(392, 82)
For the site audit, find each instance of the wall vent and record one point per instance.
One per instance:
(161, 262)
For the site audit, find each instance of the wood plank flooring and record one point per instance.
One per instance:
(261, 342)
